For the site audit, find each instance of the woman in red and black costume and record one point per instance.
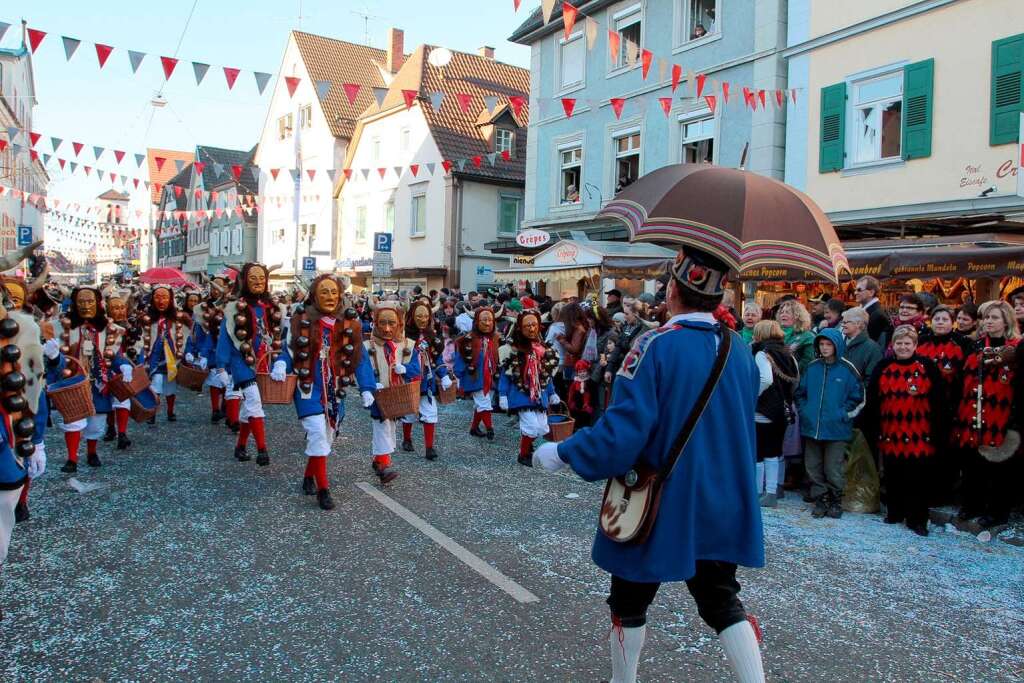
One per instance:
(905, 420)
(986, 421)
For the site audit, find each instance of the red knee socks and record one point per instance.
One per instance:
(170, 404)
(23, 498)
(259, 432)
(407, 431)
(525, 445)
(243, 435)
(476, 420)
(215, 393)
(122, 420)
(485, 417)
(382, 460)
(232, 406)
(90, 446)
(428, 434)
(316, 467)
(71, 440)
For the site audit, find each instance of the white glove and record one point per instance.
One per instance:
(189, 358)
(554, 400)
(277, 373)
(367, 399)
(126, 372)
(547, 457)
(37, 461)
(225, 378)
(503, 402)
(379, 386)
(203, 363)
(399, 369)
(446, 382)
(51, 349)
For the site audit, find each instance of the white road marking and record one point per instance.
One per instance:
(485, 570)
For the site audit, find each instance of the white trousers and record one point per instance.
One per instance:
(160, 385)
(533, 423)
(94, 426)
(427, 413)
(8, 501)
(384, 439)
(120, 404)
(252, 406)
(482, 401)
(213, 380)
(318, 435)
(229, 389)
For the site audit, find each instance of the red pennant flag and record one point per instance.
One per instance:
(238, 210)
(463, 99)
(3, 145)
(747, 96)
(236, 170)
(347, 173)
(178, 191)
(506, 155)
(515, 4)
(157, 187)
(569, 17)
(476, 160)
(218, 212)
(230, 74)
(761, 96)
(792, 92)
(168, 63)
(88, 170)
(613, 45)
(160, 161)
(410, 97)
(617, 104)
(35, 36)
(712, 102)
(701, 78)
(646, 57)
(677, 75)
(274, 172)
(34, 155)
(666, 104)
(311, 172)
(517, 103)
(33, 139)
(292, 82)
(59, 161)
(725, 91)
(112, 176)
(382, 171)
(414, 169)
(199, 166)
(118, 155)
(103, 52)
(135, 181)
(198, 193)
(780, 98)
(568, 104)
(447, 165)
(351, 91)
(78, 148)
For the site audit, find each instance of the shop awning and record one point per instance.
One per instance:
(563, 273)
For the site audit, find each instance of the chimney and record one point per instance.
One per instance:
(396, 49)
(487, 52)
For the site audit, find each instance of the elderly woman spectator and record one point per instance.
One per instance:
(862, 351)
(796, 325)
(752, 314)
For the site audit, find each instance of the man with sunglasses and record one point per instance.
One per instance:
(879, 325)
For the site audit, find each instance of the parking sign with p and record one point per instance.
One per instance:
(382, 242)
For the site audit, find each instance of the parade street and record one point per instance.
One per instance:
(188, 565)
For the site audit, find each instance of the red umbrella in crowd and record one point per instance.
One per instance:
(165, 276)
(747, 220)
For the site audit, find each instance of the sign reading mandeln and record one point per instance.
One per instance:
(533, 238)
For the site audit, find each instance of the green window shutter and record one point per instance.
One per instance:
(1007, 89)
(918, 79)
(833, 128)
(509, 215)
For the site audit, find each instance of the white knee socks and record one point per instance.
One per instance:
(782, 472)
(771, 475)
(625, 645)
(759, 477)
(740, 645)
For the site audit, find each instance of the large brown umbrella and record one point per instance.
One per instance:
(749, 221)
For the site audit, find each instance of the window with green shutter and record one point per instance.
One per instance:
(508, 220)
(833, 128)
(918, 82)
(1007, 89)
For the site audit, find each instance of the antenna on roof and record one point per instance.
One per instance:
(365, 15)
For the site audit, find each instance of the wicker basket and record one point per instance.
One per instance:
(191, 377)
(275, 393)
(449, 395)
(122, 390)
(72, 397)
(144, 405)
(560, 425)
(402, 399)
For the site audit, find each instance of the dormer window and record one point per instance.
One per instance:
(504, 141)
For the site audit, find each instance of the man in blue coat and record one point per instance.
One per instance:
(709, 520)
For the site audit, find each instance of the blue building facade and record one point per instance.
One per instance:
(576, 164)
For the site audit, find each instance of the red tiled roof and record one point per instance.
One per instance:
(167, 171)
(340, 62)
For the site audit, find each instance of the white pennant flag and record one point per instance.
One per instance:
(322, 89)
(139, 158)
(136, 59)
(200, 69)
(436, 98)
(70, 45)
(430, 168)
(379, 94)
(490, 101)
(365, 172)
(261, 80)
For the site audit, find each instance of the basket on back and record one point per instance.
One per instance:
(72, 396)
(272, 392)
(401, 399)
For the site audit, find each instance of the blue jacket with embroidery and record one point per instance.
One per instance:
(320, 394)
(200, 345)
(229, 357)
(367, 377)
(473, 382)
(709, 505)
(519, 399)
(429, 374)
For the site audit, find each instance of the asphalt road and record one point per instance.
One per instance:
(187, 565)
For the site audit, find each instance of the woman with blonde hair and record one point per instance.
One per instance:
(779, 377)
(796, 324)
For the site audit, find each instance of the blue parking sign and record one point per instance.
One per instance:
(308, 263)
(24, 235)
(382, 242)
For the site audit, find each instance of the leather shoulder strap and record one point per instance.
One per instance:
(679, 445)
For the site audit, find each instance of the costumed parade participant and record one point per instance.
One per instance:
(117, 302)
(697, 446)
(94, 341)
(419, 328)
(388, 359)
(250, 342)
(325, 352)
(476, 366)
(525, 387)
(200, 349)
(581, 408)
(164, 330)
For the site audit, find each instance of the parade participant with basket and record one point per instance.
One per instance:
(200, 349)
(476, 366)
(118, 302)
(325, 345)
(80, 370)
(526, 385)
(164, 330)
(250, 344)
(385, 373)
(434, 376)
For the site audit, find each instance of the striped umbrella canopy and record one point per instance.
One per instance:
(749, 221)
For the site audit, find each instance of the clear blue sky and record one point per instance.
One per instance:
(110, 108)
